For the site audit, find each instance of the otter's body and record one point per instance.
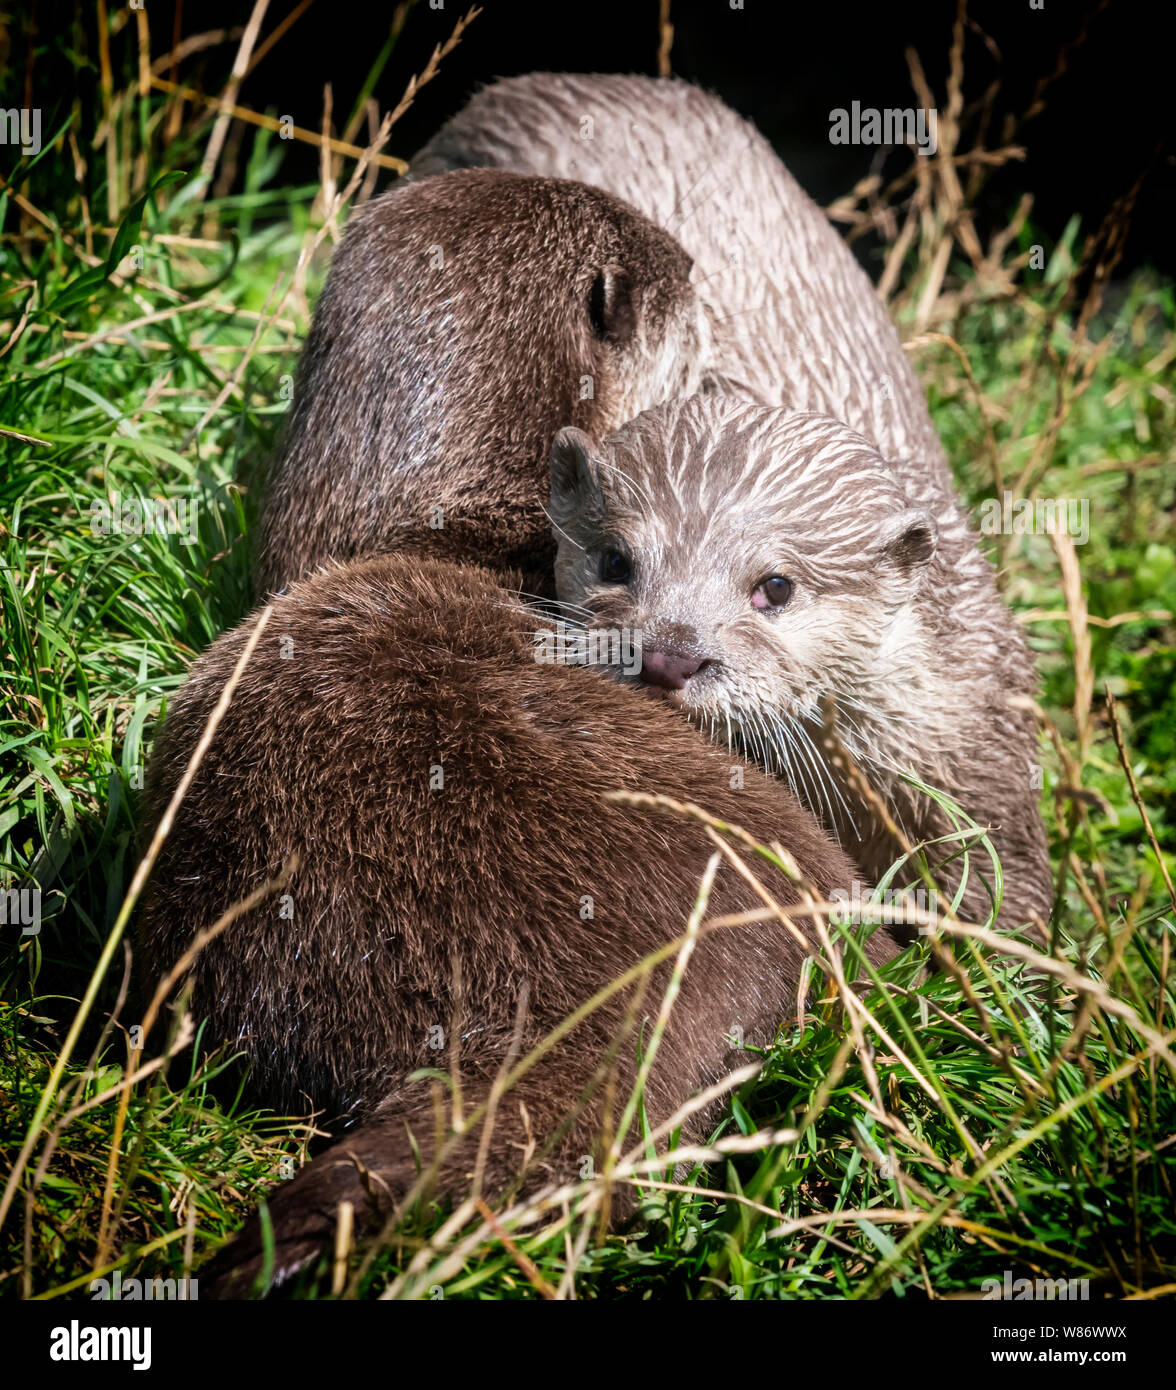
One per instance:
(464, 319)
(444, 792)
(674, 527)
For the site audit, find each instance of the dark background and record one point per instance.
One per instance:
(786, 66)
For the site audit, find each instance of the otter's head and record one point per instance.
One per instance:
(542, 302)
(466, 317)
(767, 558)
(637, 332)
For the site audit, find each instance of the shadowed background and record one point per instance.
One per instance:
(1106, 118)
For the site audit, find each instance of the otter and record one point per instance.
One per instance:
(464, 319)
(444, 791)
(772, 560)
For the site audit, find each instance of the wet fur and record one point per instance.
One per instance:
(456, 332)
(397, 666)
(797, 322)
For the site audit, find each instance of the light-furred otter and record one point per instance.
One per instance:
(464, 319)
(772, 559)
(444, 791)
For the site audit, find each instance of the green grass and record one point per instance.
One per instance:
(1023, 1122)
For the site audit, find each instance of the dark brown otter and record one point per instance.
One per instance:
(445, 793)
(464, 319)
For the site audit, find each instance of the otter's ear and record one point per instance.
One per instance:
(574, 479)
(612, 308)
(908, 540)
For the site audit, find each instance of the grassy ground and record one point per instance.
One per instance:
(1014, 1113)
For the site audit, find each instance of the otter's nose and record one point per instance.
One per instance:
(669, 670)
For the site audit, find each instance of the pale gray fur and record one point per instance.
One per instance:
(707, 498)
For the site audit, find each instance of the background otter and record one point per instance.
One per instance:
(444, 791)
(464, 319)
(771, 559)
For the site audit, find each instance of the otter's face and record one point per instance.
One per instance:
(768, 559)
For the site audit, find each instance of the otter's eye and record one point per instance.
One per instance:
(773, 592)
(615, 567)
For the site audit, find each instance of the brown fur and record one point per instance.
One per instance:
(464, 319)
(707, 498)
(397, 666)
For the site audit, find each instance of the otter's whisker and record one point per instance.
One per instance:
(823, 770)
(789, 727)
(638, 491)
(785, 750)
(556, 602)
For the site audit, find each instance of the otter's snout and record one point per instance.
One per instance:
(670, 670)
